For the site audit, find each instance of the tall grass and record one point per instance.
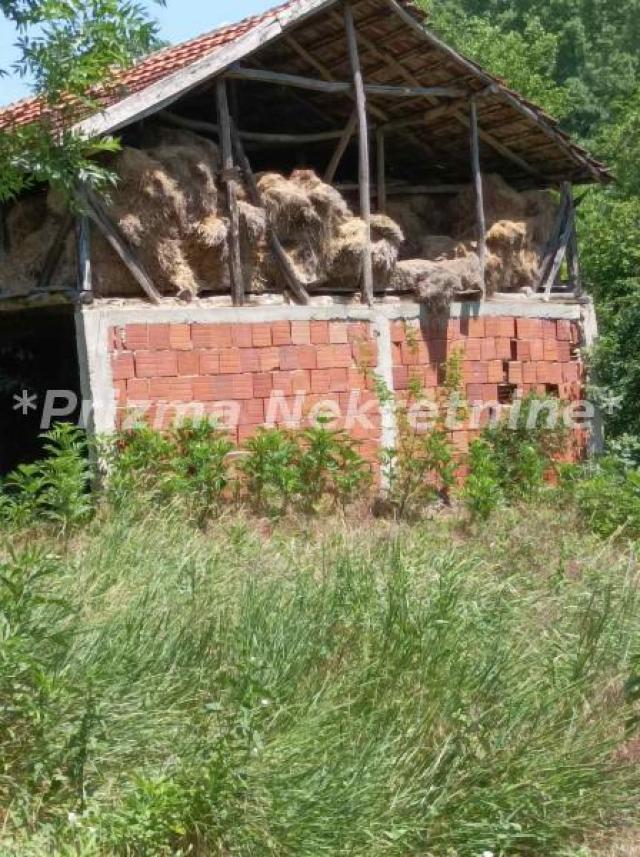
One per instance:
(338, 690)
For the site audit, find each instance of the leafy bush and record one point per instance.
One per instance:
(482, 493)
(607, 495)
(271, 476)
(55, 489)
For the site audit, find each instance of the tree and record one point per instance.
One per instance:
(68, 48)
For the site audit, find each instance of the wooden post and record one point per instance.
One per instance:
(477, 181)
(560, 252)
(83, 250)
(382, 171)
(341, 148)
(288, 271)
(229, 177)
(573, 250)
(363, 138)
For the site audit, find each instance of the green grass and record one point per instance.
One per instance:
(346, 688)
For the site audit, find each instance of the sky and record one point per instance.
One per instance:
(179, 20)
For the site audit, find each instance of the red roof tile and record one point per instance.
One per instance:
(148, 70)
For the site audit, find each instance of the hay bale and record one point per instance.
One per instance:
(437, 284)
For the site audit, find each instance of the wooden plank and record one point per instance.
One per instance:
(573, 251)
(479, 190)
(172, 87)
(235, 261)
(341, 148)
(55, 252)
(288, 271)
(363, 141)
(559, 255)
(381, 170)
(83, 250)
(98, 213)
(337, 87)
(408, 190)
(554, 238)
(203, 127)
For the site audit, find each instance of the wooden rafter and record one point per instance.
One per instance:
(341, 148)
(276, 139)
(479, 191)
(83, 251)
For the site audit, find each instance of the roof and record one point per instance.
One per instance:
(518, 138)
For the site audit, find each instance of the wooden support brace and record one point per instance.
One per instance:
(96, 210)
(554, 238)
(382, 171)
(203, 127)
(563, 244)
(479, 190)
(55, 252)
(83, 250)
(364, 167)
(235, 261)
(288, 271)
(341, 148)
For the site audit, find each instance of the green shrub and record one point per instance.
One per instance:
(482, 493)
(270, 470)
(607, 496)
(55, 489)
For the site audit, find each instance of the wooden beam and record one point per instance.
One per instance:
(477, 181)
(55, 252)
(409, 190)
(235, 261)
(203, 127)
(364, 165)
(554, 238)
(288, 271)
(83, 250)
(382, 171)
(336, 87)
(559, 255)
(96, 210)
(341, 148)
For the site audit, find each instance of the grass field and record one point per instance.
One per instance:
(311, 687)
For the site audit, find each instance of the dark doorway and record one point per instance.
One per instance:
(37, 354)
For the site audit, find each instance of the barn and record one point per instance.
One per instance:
(310, 202)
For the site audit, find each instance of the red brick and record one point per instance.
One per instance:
(262, 385)
(358, 330)
(113, 339)
(245, 433)
(549, 329)
(536, 349)
(475, 392)
(529, 373)
(488, 348)
(320, 380)
(400, 378)
(453, 329)
(241, 335)
(398, 332)
(339, 380)
(171, 389)
(238, 386)
(320, 332)
(301, 381)
(492, 326)
(503, 348)
(564, 351)
(521, 349)
(571, 371)
(489, 392)
(211, 335)
(495, 372)
(575, 333)
(230, 362)
(475, 372)
(436, 350)
(122, 366)
(261, 335)
(338, 333)
(506, 327)
(473, 327)
(330, 356)
(209, 362)
(554, 373)
(180, 337)
(514, 372)
(473, 349)
(203, 389)
(189, 363)
(136, 337)
(551, 349)
(251, 412)
(156, 364)
(300, 356)
(563, 328)
(249, 359)
(281, 333)
(120, 391)
(159, 337)
(366, 353)
(269, 359)
(300, 332)
(137, 389)
(357, 379)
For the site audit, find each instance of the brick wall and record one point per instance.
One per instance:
(285, 372)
